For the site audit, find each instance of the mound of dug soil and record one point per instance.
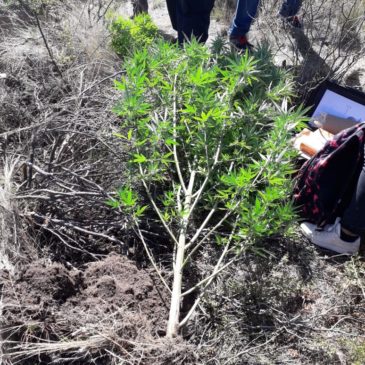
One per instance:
(111, 299)
(116, 282)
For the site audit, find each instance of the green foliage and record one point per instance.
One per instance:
(127, 200)
(219, 116)
(129, 35)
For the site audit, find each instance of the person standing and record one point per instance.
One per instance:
(245, 13)
(190, 18)
(139, 6)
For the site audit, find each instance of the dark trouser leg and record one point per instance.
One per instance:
(140, 6)
(193, 19)
(353, 218)
(172, 9)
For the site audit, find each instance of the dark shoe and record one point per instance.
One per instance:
(293, 21)
(241, 43)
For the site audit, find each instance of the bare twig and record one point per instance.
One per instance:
(50, 53)
(150, 257)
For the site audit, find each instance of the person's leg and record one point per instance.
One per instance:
(353, 219)
(139, 6)
(172, 9)
(245, 13)
(290, 8)
(193, 19)
(144, 5)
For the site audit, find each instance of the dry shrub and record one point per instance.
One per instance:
(85, 35)
(56, 122)
(329, 45)
(224, 10)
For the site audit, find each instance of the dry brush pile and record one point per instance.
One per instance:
(286, 303)
(56, 121)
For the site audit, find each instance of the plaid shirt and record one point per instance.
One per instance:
(325, 183)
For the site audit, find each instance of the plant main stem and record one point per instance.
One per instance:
(174, 316)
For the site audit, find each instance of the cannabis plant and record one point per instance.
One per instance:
(127, 35)
(210, 142)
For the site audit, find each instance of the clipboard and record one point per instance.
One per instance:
(333, 99)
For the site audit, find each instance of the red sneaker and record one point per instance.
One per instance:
(241, 42)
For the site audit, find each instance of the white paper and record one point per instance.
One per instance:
(340, 106)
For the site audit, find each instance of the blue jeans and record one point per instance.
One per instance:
(246, 11)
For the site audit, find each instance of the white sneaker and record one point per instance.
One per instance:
(329, 237)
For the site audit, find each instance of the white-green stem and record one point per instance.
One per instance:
(203, 225)
(173, 323)
(176, 159)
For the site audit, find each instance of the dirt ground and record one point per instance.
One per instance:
(47, 300)
(103, 286)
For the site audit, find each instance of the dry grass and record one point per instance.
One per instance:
(102, 338)
(104, 350)
(9, 230)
